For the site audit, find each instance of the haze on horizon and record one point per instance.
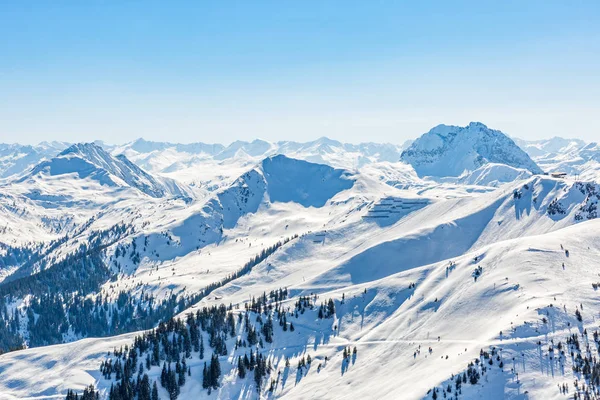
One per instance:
(354, 72)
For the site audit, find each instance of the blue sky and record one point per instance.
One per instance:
(278, 70)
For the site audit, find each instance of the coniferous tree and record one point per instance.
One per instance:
(155, 391)
(205, 377)
(144, 390)
(241, 368)
(215, 371)
(257, 378)
(173, 387)
(201, 347)
(163, 376)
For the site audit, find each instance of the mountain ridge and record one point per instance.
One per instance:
(88, 160)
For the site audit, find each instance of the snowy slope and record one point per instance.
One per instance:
(392, 319)
(475, 259)
(174, 232)
(494, 175)
(451, 150)
(352, 253)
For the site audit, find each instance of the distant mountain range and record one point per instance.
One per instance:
(444, 151)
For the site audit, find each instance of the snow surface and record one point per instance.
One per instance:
(401, 248)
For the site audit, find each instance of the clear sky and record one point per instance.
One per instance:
(217, 71)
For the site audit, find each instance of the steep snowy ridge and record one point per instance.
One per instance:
(88, 160)
(452, 150)
(303, 182)
(280, 179)
(276, 179)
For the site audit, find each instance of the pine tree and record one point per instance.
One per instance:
(181, 376)
(163, 376)
(144, 390)
(155, 391)
(330, 308)
(201, 347)
(241, 369)
(205, 377)
(257, 378)
(215, 371)
(173, 386)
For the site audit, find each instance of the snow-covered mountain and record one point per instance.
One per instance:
(581, 161)
(90, 161)
(452, 150)
(546, 147)
(571, 156)
(292, 278)
(437, 267)
(144, 146)
(16, 158)
(181, 160)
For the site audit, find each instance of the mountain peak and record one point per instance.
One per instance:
(448, 150)
(325, 139)
(82, 149)
(444, 130)
(309, 184)
(477, 125)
